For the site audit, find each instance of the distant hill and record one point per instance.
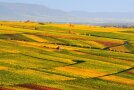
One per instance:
(16, 11)
(119, 15)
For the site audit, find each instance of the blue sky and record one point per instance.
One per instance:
(84, 5)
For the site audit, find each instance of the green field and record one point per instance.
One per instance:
(50, 56)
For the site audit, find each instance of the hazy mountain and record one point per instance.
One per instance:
(15, 11)
(119, 15)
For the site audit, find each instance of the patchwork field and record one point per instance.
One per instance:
(49, 56)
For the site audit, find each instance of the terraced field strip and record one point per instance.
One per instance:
(84, 73)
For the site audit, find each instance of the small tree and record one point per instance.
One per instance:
(27, 21)
(70, 30)
(58, 48)
(36, 28)
(41, 23)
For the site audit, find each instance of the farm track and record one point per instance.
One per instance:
(117, 72)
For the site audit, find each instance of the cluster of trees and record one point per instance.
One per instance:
(119, 26)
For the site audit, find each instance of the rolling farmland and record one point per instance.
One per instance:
(50, 56)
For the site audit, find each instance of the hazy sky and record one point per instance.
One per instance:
(84, 5)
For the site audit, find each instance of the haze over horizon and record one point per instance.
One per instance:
(83, 5)
(86, 11)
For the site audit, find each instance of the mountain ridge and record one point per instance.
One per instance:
(21, 11)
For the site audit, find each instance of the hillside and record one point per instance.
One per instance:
(50, 56)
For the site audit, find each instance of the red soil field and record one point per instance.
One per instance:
(37, 87)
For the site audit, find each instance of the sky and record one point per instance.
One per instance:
(84, 5)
